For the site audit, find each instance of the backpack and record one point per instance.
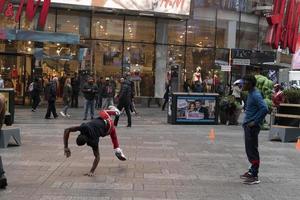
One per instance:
(30, 87)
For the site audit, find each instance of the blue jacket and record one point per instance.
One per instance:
(256, 108)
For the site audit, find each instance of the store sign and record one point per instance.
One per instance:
(237, 61)
(7, 8)
(284, 25)
(180, 7)
(225, 68)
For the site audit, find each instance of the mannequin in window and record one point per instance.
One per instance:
(136, 78)
(197, 79)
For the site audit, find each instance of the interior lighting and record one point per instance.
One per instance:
(29, 42)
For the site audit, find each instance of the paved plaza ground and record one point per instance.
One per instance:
(164, 162)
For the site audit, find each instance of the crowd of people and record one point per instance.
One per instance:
(99, 94)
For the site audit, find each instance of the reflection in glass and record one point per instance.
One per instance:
(201, 33)
(139, 29)
(176, 32)
(248, 36)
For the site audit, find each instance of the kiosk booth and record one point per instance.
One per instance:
(193, 108)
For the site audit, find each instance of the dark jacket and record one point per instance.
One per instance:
(108, 90)
(89, 91)
(50, 91)
(37, 89)
(75, 83)
(125, 95)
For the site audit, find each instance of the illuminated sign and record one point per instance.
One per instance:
(284, 25)
(31, 8)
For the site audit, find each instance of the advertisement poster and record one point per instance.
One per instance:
(196, 109)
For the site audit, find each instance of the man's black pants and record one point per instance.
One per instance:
(127, 110)
(35, 101)
(51, 109)
(74, 102)
(1, 167)
(251, 145)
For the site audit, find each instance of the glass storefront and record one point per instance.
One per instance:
(146, 47)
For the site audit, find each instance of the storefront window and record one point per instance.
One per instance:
(73, 22)
(175, 72)
(107, 58)
(201, 30)
(227, 26)
(139, 61)
(248, 34)
(176, 32)
(203, 59)
(50, 23)
(107, 27)
(138, 29)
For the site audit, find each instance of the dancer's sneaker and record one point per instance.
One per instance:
(119, 154)
(62, 114)
(252, 180)
(246, 175)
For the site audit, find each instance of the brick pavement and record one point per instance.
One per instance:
(165, 162)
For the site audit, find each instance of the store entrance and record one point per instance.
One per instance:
(16, 71)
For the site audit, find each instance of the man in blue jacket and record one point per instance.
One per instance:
(256, 110)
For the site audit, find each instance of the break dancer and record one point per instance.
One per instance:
(90, 133)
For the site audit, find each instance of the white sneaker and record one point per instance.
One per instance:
(62, 113)
(119, 154)
(68, 115)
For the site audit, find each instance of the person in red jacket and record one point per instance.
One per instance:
(90, 133)
(277, 97)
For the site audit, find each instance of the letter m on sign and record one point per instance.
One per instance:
(31, 9)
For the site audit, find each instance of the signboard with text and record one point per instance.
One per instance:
(179, 7)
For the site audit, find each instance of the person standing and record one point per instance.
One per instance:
(3, 180)
(89, 91)
(100, 91)
(75, 83)
(35, 93)
(51, 90)
(108, 94)
(236, 92)
(67, 95)
(125, 97)
(256, 110)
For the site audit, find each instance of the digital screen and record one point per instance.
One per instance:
(196, 109)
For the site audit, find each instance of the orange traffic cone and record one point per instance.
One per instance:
(298, 144)
(212, 135)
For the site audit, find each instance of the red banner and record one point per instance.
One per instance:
(31, 9)
(284, 25)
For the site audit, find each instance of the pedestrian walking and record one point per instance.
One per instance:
(166, 96)
(256, 110)
(75, 83)
(50, 94)
(67, 95)
(125, 97)
(35, 90)
(90, 133)
(89, 91)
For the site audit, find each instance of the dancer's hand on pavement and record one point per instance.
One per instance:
(67, 152)
(90, 174)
